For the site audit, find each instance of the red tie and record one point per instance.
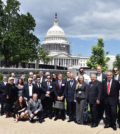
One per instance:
(108, 88)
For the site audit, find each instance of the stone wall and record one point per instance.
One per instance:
(24, 71)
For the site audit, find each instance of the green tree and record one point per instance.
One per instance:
(117, 62)
(17, 42)
(43, 55)
(98, 56)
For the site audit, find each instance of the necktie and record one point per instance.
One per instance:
(71, 83)
(48, 86)
(35, 106)
(108, 88)
(38, 85)
(59, 84)
(91, 85)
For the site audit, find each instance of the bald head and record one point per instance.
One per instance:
(93, 77)
(71, 76)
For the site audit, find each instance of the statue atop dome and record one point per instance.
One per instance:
(55, 15)
(56, 19)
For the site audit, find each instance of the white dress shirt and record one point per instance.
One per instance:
(30, 90)
(99, 77)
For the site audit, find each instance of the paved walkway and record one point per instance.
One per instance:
(8, 126)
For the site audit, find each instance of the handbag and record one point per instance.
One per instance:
(59, 105)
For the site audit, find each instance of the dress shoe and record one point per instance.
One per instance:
(41, 120)
(107, 126)
(63, 119)
(55, 118)
(114, 128)
(70, 120)
(50, 117)
(94, 125)
(31, 121)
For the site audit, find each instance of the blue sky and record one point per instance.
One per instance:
(83, 47)
(84, 21)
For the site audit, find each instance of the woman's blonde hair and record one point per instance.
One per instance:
(78, 82)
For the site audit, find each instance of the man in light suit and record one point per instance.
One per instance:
(100, 77)
(28, 89)
(35, 108)
(69, 93)
(110, 93)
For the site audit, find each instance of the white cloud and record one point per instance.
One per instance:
(78, 18)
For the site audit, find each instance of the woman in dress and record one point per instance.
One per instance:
(20, 86)
(20, 109)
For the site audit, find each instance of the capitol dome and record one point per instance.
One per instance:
(55, 31)
(55, 39)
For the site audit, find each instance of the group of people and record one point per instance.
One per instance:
(47, 95)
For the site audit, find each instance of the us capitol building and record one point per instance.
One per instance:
(59, 49)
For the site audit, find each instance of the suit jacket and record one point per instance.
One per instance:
(26, 91)
(103, 77)
(45, 88)
(38, 90)
(42, 79)
(12, 92)
(31, 105)
(118, 78)
(66, 80)
(70, 91)
(57, 91)
(2, 88)
(113, 95)
(94, 92)
(83, 92)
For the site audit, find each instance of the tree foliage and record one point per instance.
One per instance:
(43, 55)
(98, 56)
(117, 62)
(17, 40)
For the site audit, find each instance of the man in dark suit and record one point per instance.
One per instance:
(66, 81)
(2, 93)
(59, 90)
(110, 92)
(69, 93)
(47, 88)
(28, 89)
(100, 77)
(116, 77)
(94, 98)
